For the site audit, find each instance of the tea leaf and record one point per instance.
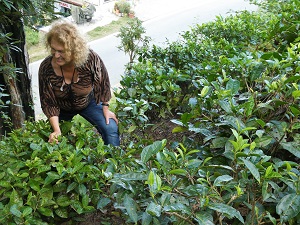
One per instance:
(45, 211)
(150, 150)
(178, 172)
(221, 179)
(63, 201)
(15, 211)
(254, 171)
(204, 218)
(62, 212)
(5, 184)
(26, 211)
(76, 205)
(85, 201)
(72, 186)
(103, 202)
(130, 207)
(226, 210)
(146, 219)
(288, 207)
(292, 147)
(154, 209)
(82, 189)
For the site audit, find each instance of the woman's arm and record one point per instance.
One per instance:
(102, 88)
(47, 96)
(54, 121)
(48, 101)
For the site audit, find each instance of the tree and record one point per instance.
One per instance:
(132, 39)
(15, 81)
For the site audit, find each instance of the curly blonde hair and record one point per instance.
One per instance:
(67, 34)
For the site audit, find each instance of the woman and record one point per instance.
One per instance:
(73, 80)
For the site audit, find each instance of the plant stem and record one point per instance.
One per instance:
(181, 217)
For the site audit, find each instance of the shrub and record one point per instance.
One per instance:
(44, 183)
(132, 39)
(32, 36)
(236, 97)
(237, 93)
(123, 6)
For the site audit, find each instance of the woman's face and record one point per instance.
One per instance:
(59, 53)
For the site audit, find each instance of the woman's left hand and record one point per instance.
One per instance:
(109, 115)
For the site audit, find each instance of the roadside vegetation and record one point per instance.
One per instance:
(210, 136)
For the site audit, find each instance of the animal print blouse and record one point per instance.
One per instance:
(93, 82)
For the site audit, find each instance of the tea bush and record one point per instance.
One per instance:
(235, 87)
(232, 86)
(47, 183)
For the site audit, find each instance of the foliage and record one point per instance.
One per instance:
(9, 71)
(228, 86)
(123, 6)
(234, 85)
(230, 70)
(286, 29)
(45, 183)
(13, 64)
(33, 12)
(186, 187)
(132, 39)
(32, 37)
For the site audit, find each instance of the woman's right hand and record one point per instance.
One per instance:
(53, 137)
(56, 130)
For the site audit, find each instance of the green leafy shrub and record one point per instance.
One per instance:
(188, 187)
(228, 86)
(32, 36)
(45, 183)
(132, 39)
(123, 6)
(232, 77)
(237, 91)
(285, 29)
(168, 78)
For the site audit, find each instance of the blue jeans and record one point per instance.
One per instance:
(94, 114)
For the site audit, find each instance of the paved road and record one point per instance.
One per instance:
(160, 28)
